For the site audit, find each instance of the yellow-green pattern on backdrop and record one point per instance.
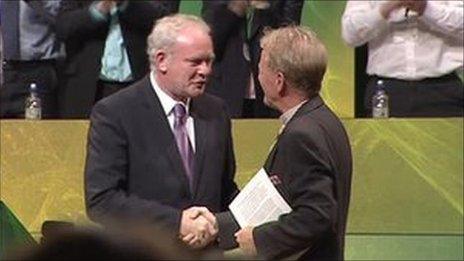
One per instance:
(323, 17)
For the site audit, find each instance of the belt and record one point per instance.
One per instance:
(108, 82)
(28, 62)
(446, 77)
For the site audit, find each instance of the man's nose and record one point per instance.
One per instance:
(205, 69)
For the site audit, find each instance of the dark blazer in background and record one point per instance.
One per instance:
(134, 169)
(85, 42)
(311, 167)
(231, 73)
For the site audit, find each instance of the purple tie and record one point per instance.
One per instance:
(183, 141)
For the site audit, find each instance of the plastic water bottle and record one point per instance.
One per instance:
(33, 106)
(380, 107)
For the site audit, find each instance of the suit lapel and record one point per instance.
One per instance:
(163, 135)
(201, 136)
(270, 158)
(306, 108)
(310, 105)
(255, 25)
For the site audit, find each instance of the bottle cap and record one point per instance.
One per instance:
(33, 86)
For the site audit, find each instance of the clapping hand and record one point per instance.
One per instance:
(198, 227)
(388, 7)
(105, 6)
(417, 6)
(239, 7)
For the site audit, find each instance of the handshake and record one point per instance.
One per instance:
(198, 227)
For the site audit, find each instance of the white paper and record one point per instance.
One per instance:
(259, 202)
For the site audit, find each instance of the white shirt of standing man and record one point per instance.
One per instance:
(408, 39)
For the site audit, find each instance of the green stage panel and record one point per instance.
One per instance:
(408, 176)
(404, 247)
(13, 235)
(408, 173)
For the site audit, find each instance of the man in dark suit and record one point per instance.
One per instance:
(310, 164)
(159, 146)
(237, 27)
(105, 47)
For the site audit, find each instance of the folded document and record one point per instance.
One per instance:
(259, 202)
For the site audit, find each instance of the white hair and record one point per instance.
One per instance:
(166, 30)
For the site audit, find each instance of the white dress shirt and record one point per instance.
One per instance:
(407, 46)
(168, 103)
(288, 115)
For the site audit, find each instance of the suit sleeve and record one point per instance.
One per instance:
(141, 15)
(446, 19)
(74, 21)
(43, 9)
(106, 177)
(362, 22)
(310, 184)
(226, 222)
(223, 23)
(229, 185)
(291, 12)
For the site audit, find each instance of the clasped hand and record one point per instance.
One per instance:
(198, 227)
(417, 6)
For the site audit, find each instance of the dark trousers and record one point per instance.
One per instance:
(431, 97)
(17, 76)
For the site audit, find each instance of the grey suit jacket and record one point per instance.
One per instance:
(133, 168)
(310, 166)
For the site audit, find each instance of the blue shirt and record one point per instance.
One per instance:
(37, 39)
(115, 64)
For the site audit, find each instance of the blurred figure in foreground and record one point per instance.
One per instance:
(134, 243)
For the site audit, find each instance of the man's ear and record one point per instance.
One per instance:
(280, 83)
(161, 61)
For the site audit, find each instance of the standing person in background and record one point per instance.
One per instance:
(310, 163)
(105, 45)
(31, 53)
(237, 27)
(415, 47)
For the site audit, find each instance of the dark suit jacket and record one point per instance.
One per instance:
(85, 41)
(231, 71)
(133, 168)
(311, 164)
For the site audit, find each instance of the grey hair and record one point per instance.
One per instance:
(166, 30)
(298, 53)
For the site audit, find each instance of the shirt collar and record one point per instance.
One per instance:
(167, 102)
(288, 115)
